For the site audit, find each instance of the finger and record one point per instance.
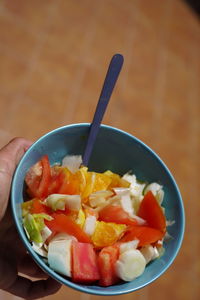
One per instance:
(12, 153)
(9, 158)
(30, 290)
(27, 266)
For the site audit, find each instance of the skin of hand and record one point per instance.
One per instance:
(15, 262)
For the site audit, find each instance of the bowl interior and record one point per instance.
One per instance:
(119, 152)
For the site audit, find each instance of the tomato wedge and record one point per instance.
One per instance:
(106, 260)
(84, 263)
(116, 214)
(38, 207)
(55, 182)
(38, 178)
(152, 212)
(42, 190)
(146, 235)
(63, 223)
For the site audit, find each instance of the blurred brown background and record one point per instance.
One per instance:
(53, 59)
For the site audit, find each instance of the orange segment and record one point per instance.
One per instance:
(95, 182)
(90, 179)
(116, 180)
(107, 234)
(70, 185)
(82, 178)
(101, 182)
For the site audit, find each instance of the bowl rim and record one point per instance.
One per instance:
(82, 288)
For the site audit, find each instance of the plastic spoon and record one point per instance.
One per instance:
(108, 86)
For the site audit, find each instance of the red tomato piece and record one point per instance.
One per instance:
(42, 190)
(63, 182)
(146, 235)
(151, 211)
(63, 223)
(116, 214)
(66, 211)
(84, 263)
(106, 261)
(33, 178)
(38, 207)
(55, 182)
(38, 178)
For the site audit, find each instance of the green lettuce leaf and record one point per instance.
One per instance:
(33, 224)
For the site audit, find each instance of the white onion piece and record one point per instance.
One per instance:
(95, 202)
(99, 198)
(121, 191)
(59, 201)
(130, 265)
(115, 200)
(38, 249)
(126, 201)
(45, 233)
(59, 256)
(157, 191)
(136, 188)
(104, 194)
(126, 204)
(129, 245)
(72, 162)
(90, 225)
(170, 223)
(63, 236)
(149, 252)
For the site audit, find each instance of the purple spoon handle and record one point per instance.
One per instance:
(108, 86)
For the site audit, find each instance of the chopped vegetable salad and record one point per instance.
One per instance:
(93, 227)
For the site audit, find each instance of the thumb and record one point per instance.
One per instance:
(10, 156)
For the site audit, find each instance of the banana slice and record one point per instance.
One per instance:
(130, 265)
(59, 256)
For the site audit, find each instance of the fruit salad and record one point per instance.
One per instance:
(93, 227)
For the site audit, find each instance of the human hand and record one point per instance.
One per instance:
(13, 256)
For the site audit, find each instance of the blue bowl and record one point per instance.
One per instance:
(119, 152)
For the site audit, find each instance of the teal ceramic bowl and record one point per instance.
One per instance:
(119, 152)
